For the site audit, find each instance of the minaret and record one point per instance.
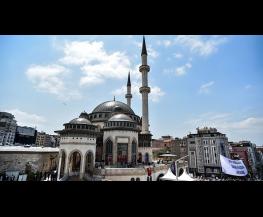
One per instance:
(128, 96)
(144, 89)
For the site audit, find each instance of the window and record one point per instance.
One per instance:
(99, 115)
(213, 155)
(206, 155)
(192, 159)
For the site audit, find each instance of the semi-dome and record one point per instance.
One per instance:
(111, 106)
(120, 117)
(80, 121)
(84, 115)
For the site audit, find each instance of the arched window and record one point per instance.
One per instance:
(108, 154)
(89, 163)
(74, 162)
(134, 152)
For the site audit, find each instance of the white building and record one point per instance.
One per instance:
(204, 149)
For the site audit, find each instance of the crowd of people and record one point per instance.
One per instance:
(226, 178)
(38, 176)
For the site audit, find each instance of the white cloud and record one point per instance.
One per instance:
(179, 71)
(226, 121)
(166, 43)
(50, 79)
(235, 128)
(156, 94)
(26, 119)
(152, 53)
(178, 55)
(205, 88)
(46, 78)
(200, 45)
(96, 64)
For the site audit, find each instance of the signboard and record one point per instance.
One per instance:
(233, 167)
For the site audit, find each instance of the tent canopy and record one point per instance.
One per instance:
(169, 176)
(185, 177)
(167, 155)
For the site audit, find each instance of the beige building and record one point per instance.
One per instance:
(43, 139)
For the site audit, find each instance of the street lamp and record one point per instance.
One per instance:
(176, 169)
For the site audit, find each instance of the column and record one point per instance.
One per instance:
(66, 169)
(82, 166)
(59, 165)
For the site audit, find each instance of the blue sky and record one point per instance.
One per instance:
(196, 81)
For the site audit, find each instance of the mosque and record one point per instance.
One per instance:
(112, 134)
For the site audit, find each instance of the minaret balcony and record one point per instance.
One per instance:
(128, 95)
(144, 68)
(145, 89)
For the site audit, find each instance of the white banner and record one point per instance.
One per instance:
(233, 167)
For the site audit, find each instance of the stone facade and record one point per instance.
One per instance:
(17, 160)
(121, 136)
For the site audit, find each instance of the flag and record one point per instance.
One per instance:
(233, 167)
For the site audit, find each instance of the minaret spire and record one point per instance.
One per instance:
(129, 80)
(144, 50)
(144, 89)
(128, 96)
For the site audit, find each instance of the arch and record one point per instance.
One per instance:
(75, 158)
(109, 152)
(89, 162)
(134, 151)
(132, 179)
(146, 158)
(63, 163)
(140, 157)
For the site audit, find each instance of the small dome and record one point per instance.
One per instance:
(120, 117)
(80, 121)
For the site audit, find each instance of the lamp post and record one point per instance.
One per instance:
(176, 169)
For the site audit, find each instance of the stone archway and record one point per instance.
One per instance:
(63, 163)
(89, 163)
(75, 162)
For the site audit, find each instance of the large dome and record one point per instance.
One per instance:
(111, 106)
